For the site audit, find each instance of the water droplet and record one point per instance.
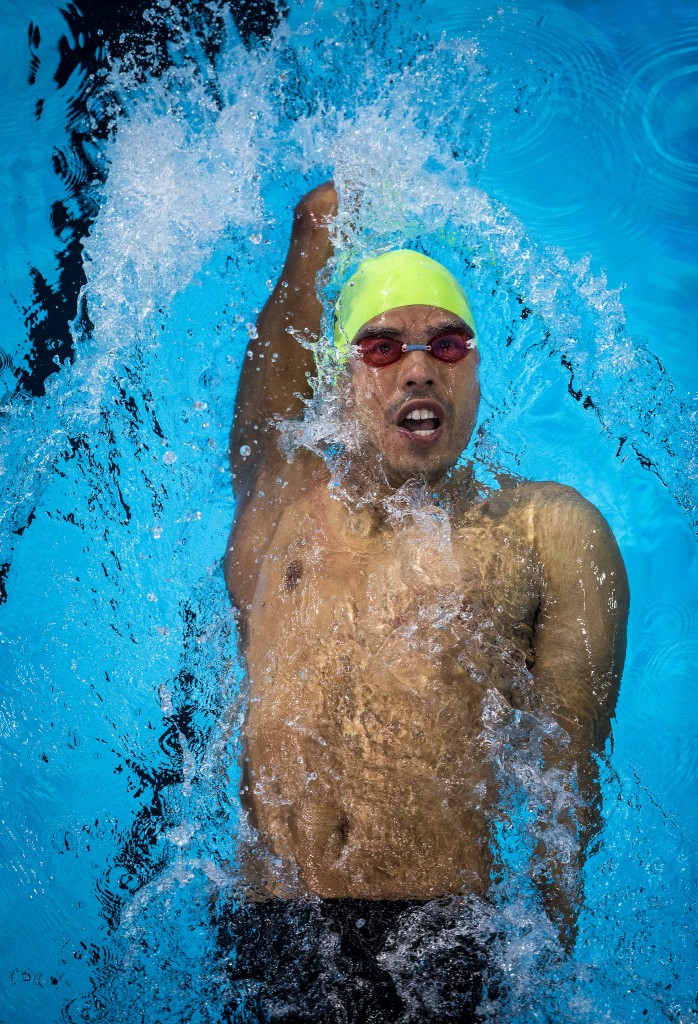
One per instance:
(152, 597)
(200, 406)
(251, 332)
(169, 458)
(157, 532)
(245, 451)
(256, 238)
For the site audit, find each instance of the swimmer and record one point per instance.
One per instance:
(372, 639)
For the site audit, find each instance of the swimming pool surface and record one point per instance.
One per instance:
(551, 150)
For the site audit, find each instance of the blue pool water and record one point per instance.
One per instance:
(551, 150)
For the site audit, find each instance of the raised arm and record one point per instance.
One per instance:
(268, 386)
(579, 649)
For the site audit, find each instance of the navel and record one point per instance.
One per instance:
(293, 574)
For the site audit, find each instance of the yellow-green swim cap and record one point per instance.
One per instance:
(398, 278)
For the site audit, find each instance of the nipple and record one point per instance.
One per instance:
(293, 575)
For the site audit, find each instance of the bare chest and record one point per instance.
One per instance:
(369, 659)
(410, 626)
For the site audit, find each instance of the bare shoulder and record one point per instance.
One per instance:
(562, 516)
(278, 488)
(537, 496)
(527, 500)
(569, 533)
(556, 519)
(278, 493)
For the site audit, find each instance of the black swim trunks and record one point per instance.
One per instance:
(354, 962)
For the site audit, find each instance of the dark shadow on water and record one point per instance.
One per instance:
(97, 32)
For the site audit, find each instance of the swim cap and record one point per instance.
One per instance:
(398, 278)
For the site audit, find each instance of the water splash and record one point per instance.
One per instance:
(188, 234)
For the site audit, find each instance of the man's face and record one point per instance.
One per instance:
(418, 413)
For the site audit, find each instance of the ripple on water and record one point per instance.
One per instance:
(677, 618)
(686, 762)
(668, 693)
(657, 122)
(561, 66)
(564, 85)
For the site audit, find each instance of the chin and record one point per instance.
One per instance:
(397, 466)
(431, 470)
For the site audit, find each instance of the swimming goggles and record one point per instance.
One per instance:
(448, 348)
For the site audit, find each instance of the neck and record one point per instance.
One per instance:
(373, 504)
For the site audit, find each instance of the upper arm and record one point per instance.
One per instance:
(580, 630)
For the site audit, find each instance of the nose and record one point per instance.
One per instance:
(416, 369)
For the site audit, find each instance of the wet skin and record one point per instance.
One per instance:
(375, 638)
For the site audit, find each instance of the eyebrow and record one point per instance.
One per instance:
(443, 327)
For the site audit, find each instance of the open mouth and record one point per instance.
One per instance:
(422, 419)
